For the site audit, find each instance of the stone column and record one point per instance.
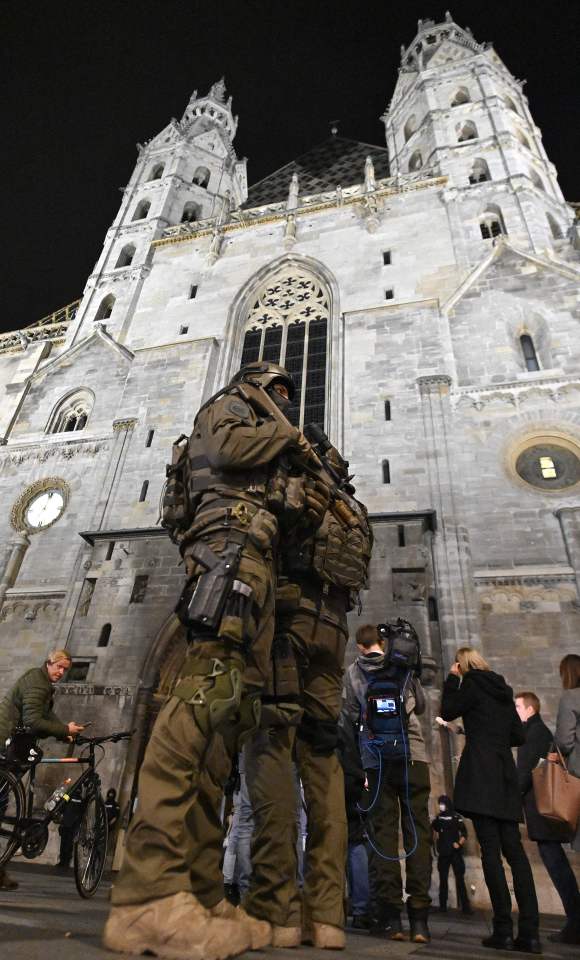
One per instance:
(122, 429)
(458, 608)
(569, 520)
(19, 545)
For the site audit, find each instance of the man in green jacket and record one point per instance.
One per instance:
(30, 704)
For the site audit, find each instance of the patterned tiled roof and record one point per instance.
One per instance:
(335, 162)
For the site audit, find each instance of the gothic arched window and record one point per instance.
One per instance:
(410, 127)
(511, 105)
(537, 180)
(105, 307)
(461, 96)
(416, 161)
(71, 413)
(468, 131)
(523, 139)
(157, 171)
(201, 177)
(141, 210)
(126, 256)
(191, 212)
(529, 352)
(288, 324)
(491, 223)
(479, 172)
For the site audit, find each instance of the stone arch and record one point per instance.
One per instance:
(238, 313)
(71, 412)
(461, 96)
(521, 322)
(410, 127)
(105, 307)
(416, 161)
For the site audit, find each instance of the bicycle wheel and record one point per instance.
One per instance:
(12, 806)
(90, 846)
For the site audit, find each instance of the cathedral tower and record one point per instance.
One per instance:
(457, 111)
(187, 172)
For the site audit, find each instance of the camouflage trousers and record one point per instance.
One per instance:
(185, 763)
(317, 633)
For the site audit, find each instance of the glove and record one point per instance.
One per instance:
(317, 500)
(304, 448)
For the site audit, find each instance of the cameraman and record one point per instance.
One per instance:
(398, 792)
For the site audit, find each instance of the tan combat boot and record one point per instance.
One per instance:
(285, 938)
(176, 927)
(324, 936)
(259, 931)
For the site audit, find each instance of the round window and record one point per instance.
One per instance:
(549, 466)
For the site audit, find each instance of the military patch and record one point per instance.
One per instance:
(239, 409)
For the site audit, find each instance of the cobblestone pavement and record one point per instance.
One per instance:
(45, 919)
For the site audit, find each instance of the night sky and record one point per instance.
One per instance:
(86, 81)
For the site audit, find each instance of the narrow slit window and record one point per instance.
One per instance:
(529, 352)
(110, 548)
(433, 609)
(548, 468)
(387, 409)
(150, 435)
(143, 494)
(387, 258)
(386, 472)
(193, 291)
(401, 534)
(139, 588)
(105, 635)
(183, 331)
(389, 294)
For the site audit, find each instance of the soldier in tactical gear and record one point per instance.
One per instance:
(318, 578)
(225, 512)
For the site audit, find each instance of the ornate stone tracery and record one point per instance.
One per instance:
(287, 323)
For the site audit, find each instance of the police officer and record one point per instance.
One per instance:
(219, 509)
(450, 836)
(318, 577)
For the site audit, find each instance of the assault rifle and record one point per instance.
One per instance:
(307, 458)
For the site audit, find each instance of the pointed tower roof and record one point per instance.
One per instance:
(334, 162)
(213, 109)
(430, 37)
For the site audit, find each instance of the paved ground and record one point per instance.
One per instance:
(45, 919)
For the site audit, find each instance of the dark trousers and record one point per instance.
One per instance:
(456, 861)
(497, 837)
(562, 876)
(396, 802)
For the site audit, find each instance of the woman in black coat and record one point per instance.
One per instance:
(487, 791)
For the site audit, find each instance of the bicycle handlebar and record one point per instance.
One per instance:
(112, 738)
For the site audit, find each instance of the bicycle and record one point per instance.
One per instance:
(20, 828)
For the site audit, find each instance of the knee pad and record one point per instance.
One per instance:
(215, 696)
(321, 735)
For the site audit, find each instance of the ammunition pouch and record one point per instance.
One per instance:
(287, 597)
(282, 695)
(321, 735)
(215, 696)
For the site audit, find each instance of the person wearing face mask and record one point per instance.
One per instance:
(226, 505)
(450, 835)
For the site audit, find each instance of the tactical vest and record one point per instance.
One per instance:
(339, 553)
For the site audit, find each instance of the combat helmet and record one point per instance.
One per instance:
(266, 374)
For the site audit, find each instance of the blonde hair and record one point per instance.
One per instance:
(56, 655)
(470, 659)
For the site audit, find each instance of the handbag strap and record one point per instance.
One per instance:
(560, 755)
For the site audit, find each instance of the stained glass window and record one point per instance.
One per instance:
(287, 324)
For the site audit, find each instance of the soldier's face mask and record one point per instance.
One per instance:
(279, 394)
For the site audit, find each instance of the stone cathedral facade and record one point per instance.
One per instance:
(425, 296)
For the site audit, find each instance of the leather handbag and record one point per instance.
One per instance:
(557, 791)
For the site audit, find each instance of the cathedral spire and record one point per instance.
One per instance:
(430, 36)
(213, 109)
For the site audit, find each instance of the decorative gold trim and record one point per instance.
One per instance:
(18, 512)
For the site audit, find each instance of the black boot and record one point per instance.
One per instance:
(527, 945)
(387, 924)
(570, 933)
(419, 928)
(498, 941)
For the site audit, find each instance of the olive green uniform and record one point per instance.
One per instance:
(321, 573)
(230, 459)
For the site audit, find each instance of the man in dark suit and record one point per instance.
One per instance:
(548, 834)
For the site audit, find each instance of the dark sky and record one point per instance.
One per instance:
(86, 80)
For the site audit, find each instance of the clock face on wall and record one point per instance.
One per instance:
(44, 509)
